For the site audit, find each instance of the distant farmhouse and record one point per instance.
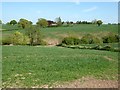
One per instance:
(51, 23)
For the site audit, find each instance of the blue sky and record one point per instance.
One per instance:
(68, 11)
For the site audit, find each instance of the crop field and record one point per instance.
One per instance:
(36, 66)
(28, 66)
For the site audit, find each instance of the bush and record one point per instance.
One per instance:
(26, 40)
(19, 39)
(6, 41)
(110, 38)
(71, 41)
(90, 39)
(117, 37)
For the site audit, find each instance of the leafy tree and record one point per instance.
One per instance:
(63, 22)
(42, 22)
(67, 22)
(58, 21)
(71, 22)
(13, 22)
(84, 22)
(99, 22)
(33, 32)
(30, 22)
(78, 22)
(24, 23)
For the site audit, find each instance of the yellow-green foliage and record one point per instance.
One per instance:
(19, 39)
(42, 22)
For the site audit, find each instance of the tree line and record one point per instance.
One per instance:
(23, 23)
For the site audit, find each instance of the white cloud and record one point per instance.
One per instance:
(90, 9)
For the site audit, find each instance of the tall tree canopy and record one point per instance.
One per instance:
(33, 32)
(99, 22)
(42, 22)
(13, 22)
(24, 23)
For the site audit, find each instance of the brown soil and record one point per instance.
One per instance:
(90, 83)
(51, 41)
(87, 82)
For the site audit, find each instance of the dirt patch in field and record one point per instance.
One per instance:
(51, 41)
(86, 82)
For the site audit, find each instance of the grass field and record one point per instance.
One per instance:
(34, 66)
(28, 66)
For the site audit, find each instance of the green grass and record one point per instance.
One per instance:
(7, 30)
(78, 31)
(9, 27)
(27, 66)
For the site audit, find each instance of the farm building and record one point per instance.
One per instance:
(51, 23)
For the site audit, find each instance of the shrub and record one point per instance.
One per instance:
(6, 41)
(19, 39)
(71, 41)
(110, 38)
(90, 39)
(26, 40)
(117, 37)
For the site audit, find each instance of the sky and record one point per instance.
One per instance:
(76, 1)
(68, 11)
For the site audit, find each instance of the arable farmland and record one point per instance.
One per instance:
(59, 44)
(28, 66)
